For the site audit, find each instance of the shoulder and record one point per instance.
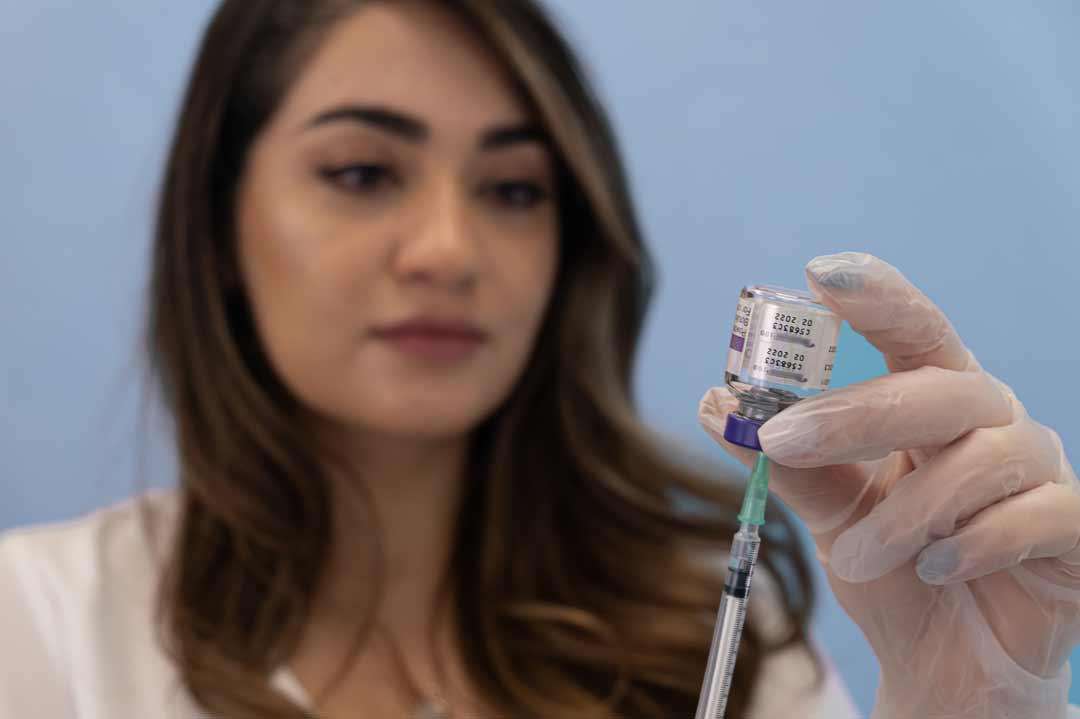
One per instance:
(77, 599)
(114, 550)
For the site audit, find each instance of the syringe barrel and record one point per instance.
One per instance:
(729, 624)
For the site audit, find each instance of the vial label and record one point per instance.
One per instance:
(789, 345)
(739, 334)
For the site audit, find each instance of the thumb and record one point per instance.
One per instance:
(713, 411)
(826, 499)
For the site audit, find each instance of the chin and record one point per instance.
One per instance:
(425, 417)
(435, 411)
(432, 429)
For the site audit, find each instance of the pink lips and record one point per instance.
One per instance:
(433, 338)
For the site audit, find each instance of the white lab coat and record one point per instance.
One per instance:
(76, 639)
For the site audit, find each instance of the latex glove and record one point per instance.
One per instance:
(947, 519)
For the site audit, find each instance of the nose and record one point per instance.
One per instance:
(440, 248)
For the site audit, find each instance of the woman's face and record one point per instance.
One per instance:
(400, 179)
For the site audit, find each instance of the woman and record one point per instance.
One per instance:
(396, 292)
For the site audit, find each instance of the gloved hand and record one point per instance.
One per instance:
(947, 519)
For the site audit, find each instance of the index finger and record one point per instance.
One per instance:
(891, 313)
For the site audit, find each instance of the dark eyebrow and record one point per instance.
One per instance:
(415, 130)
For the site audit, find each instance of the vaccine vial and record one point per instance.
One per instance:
(782, 349)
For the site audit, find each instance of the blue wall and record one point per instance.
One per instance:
(939, 135)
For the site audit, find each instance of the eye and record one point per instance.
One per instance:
(519, 195)
(357, 178)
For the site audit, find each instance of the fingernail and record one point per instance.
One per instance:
(712, 424)
(717, 401)
(937, 562)
(843, 271)
(714, 406)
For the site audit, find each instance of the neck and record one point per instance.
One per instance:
(415, 489)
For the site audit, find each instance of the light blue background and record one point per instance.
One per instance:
(941, 136)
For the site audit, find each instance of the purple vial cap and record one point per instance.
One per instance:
(742, 431)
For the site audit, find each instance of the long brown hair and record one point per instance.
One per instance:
(582, 537)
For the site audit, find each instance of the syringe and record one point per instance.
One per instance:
(729, 619)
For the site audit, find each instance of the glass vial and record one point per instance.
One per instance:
(782, 349)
